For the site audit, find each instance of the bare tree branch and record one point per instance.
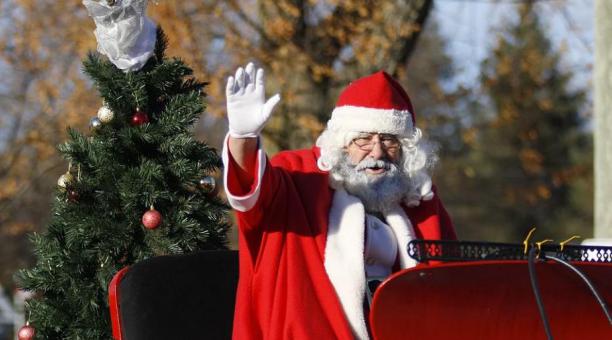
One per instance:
(403, 54)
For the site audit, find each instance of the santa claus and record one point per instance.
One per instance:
(315, 224)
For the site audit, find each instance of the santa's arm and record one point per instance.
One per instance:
(247, 113)
(242, 158)
(447, 228)
(243, 173)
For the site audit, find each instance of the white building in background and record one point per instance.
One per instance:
(7, 316)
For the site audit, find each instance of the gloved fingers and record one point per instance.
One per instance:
(240, 80)
(250, 78)
(250, 82)
(230, 86)
(269, 105)
(249, 88)
(250, 71)
(260, 79)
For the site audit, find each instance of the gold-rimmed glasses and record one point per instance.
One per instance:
(366, 141)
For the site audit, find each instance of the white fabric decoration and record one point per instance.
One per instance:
(125, 35)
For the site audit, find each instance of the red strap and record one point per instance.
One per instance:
(113, 302)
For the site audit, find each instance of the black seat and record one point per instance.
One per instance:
(176, 297)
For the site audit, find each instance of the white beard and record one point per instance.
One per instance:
(377, 192)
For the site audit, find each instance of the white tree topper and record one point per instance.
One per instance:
(124, 34)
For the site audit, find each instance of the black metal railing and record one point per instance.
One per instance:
(426, 250)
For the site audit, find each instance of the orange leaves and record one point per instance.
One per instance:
(42, 49)
(568, 175)
(312, 125)
(320, 72)
(279, 28)
(8, 188)
(37, 141)
(16, 228)
(362, 8)
(507, 113)
(469, 136)
(545, 104)
(531, 161)
(289, 9)
(532, 196)
(505, 67)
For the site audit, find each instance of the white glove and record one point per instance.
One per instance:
(247, 108)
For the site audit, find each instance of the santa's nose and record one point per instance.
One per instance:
(377, 151)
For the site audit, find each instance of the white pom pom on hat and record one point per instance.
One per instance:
(375, 103)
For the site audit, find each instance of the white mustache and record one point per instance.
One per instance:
(370, 163)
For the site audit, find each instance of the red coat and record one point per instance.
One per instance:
(284, 291)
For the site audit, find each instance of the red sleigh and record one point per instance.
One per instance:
(187, 296)
(479, 291)
(489, 294)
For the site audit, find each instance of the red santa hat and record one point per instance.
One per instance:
(376, 103)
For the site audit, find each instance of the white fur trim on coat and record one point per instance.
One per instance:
(344, 257)
(246, 202)
(344, 253)
(365, 119)
(404, 233)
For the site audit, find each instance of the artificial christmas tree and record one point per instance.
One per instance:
(118, 171)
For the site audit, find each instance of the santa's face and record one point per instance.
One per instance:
(370, 171)
(375, 147)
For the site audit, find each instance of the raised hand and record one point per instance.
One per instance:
(247, 108)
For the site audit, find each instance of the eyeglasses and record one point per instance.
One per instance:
(388, 142)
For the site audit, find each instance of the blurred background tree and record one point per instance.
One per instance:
(42, 93)
(310, 50)
(529, 161)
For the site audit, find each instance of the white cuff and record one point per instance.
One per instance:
(246, 202)
(245, 135)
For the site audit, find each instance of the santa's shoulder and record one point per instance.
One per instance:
(297, 160)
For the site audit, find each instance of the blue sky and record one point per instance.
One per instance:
(471, 26)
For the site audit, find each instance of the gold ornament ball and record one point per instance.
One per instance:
(105, 115)
(208, 184)
(65, 179)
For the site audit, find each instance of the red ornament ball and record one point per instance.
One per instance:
(139, 118)
(151, 219)
(26, 332)
(73, 196)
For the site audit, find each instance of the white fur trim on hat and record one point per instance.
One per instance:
(404, 232)
(366, 119)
